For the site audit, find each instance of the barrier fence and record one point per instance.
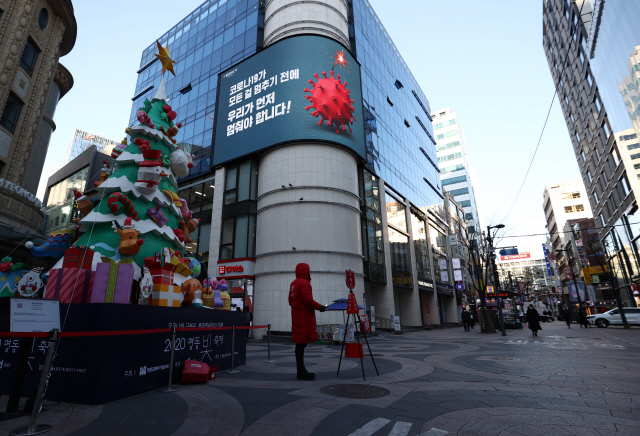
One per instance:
(54, 335)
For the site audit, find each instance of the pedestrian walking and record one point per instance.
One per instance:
(533, 320)
(472, 319)
(567, 316)
(466, 321)
(303, 317)
(583, 319)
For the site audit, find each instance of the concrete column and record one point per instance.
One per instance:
(284, 18)
(410, 298)
(382, 296)
(432, 297)
(319, 215)
(216, 222)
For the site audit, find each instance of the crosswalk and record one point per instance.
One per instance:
(400, 428)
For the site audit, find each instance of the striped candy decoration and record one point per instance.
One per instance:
(129, 209)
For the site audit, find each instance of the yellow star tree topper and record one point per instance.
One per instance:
(165, 59)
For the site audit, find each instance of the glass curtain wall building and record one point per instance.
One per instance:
(454, 163)
(399, 173)
(81, 140)
(215, 36)
(591, 48)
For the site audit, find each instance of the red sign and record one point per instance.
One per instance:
(516, 256)
(351, 279)
(366, 324)
(228, 269)
(521, 286)
(568, 274)
(352, 305)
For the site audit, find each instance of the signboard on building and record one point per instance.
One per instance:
(546, 259)
(516, 256)
(457, 275)
(508, 252)
(236, 268)
(453, 240)
(300, 88)
(456, 263)
(568, 274)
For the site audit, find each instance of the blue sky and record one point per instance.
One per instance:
(485, 60)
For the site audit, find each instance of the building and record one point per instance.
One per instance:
(561, 202)
(455, 170)
(79, 174)
(591, 51)
(33, 38)
(81, 140)
(48, 170)
(273, 187)
(529, 269)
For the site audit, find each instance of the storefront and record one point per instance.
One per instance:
(240, 277)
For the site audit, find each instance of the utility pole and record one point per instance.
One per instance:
(496, 278)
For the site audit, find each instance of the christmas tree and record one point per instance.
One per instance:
(139, 212)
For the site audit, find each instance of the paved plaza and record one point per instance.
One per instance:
(563, 382)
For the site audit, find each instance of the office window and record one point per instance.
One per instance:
(447, 134)
(570, 195)
(633, 146)
(400, 259)
(450, 157)
(444, 124)
(625, 185)
(589, 177)
(453, 180)
(11, 113)
(423, 264)
(29, 57)
(238, 237)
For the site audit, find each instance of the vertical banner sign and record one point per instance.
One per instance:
(366, 325)
(568, 274)
(521, 287)
(350, 279)
(546, 258)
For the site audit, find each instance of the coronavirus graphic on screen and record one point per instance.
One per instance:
(331, 100)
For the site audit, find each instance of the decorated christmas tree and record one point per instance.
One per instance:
(139, 212)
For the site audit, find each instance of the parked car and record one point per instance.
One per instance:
(612, 317)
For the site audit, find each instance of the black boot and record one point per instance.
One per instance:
(303, 374)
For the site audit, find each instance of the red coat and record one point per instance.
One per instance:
(303, 316)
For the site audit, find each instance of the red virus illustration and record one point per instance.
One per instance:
(340, 59)
(331, 100)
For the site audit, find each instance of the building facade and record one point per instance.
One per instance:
(561, 202)
(79, 174)
(81, 140)
(33, 36)
(371, 203)
(590, 48)
(528, 269)
(456, 170)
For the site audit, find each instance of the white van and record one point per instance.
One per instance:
(612, 317)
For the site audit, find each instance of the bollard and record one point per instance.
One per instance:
(233, 349)
(169, 388)
(33, 428)
(269, 345)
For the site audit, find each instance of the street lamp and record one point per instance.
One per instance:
(495, 270)
(574, 281)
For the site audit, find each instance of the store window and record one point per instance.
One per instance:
(396, 215)
(199, 199)
(372, 236)
(420, 246)
(400, 259)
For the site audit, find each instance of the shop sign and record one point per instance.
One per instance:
(459, 287)
(443, 288)
(453, 240)
(350, 279)
(456, 263)
(516, 256)
(591, 293)
(521, 286)
(444, 276)
(5, 184)
(425, 284)
(568, 274)
(442, 263)
(228, 269)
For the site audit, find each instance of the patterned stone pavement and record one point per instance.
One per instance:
(563, 382)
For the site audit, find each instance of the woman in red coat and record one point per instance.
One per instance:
(303, 317)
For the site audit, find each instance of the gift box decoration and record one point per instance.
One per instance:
(70, 285)
(78, 257)
(113, 281)
(166, 296)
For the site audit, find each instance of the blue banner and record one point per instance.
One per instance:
(546, 259)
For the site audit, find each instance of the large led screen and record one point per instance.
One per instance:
(301, 88)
